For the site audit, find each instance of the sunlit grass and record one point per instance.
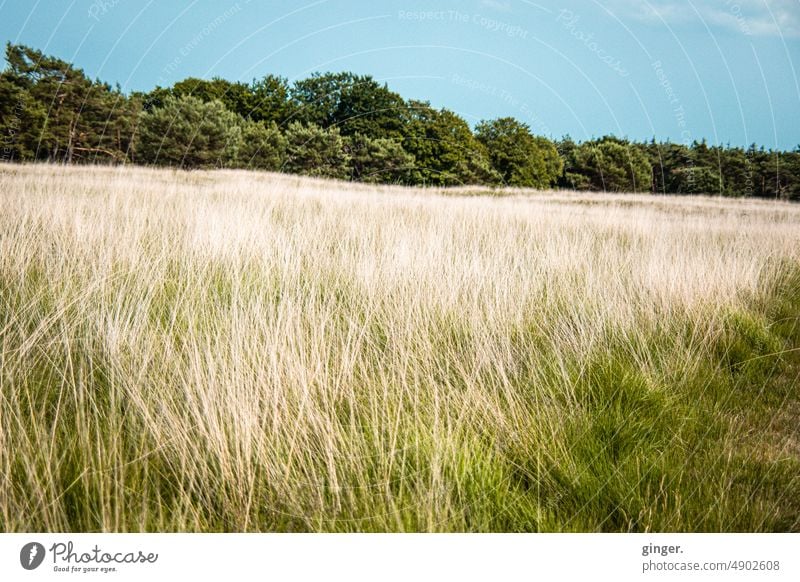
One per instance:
(229, 351)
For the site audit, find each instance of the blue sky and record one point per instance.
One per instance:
(724, 70)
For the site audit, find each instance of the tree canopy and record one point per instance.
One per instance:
(610, 165)
(520, 158)
(354, 104)
(51, 110)
(314, 151)
(188, 133)
(445, 150)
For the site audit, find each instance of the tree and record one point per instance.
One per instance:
(611, 165)
(790, 175)
(667, 160)
(236, 97)
(379, 160)
(570, 178)
(354, 104)
(345, 125)
(695, 180)
(520, 158)
(73, 118)
(445, 150)
(775, 174)
(314, 151)
(553, 162)
(21, 121)
(270, 100)
(264, 100)
(188, 133)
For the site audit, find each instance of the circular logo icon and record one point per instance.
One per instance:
(31, 555)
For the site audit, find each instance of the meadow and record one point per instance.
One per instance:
(241, 351)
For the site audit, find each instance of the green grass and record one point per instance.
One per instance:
(173, 388)
(661, 435)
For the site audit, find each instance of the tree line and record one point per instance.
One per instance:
(346, 126)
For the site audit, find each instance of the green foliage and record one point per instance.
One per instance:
(51, 111)
(265, 100)
(188, 133)
(694, 180)
(666, 159)
(235, 96)
(270, 100)
(610, 165)
(21, 121)
(788, 176)
(314, 151)
(774, 174)
(263, 147)
(553, 162)
(446, 151)
(379, 160)
(355, 104)
(746, 345)
(520, 158)
(69, 117)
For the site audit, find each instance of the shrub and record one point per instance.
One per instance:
(313, 151)
(379, 160)
(263, 147)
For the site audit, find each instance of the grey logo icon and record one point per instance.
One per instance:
(31, 555)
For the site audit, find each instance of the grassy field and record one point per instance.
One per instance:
(231, 351)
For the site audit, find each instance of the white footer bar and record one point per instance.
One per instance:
(370, 557)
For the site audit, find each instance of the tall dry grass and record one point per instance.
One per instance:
(236, 351)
